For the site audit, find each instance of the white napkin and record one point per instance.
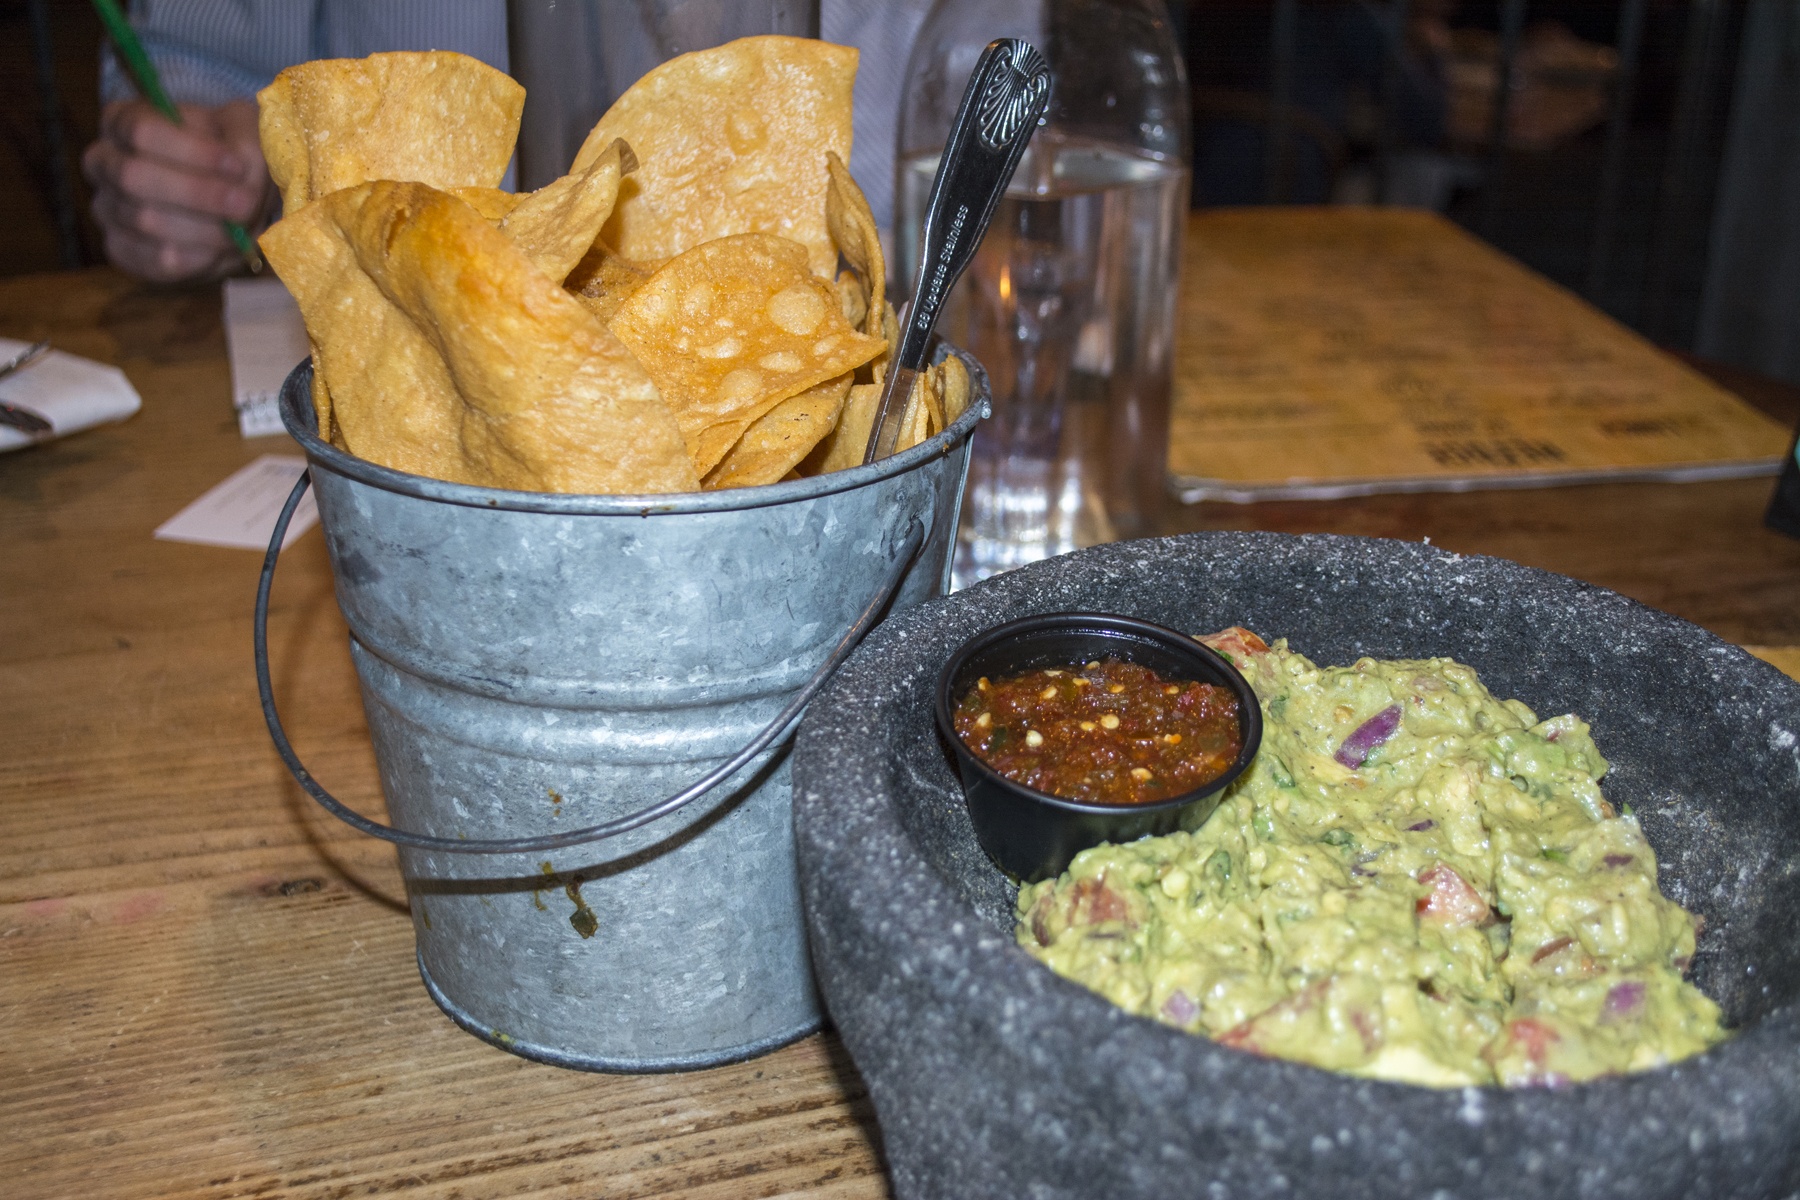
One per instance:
(69, 392)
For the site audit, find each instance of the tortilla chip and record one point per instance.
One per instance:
(845, 445)
(939, 396)
(731, 140)
(602, 280)
(852, 298)
(492, 203)
(890, 329)
(777, 441)
(446, 353)
(853, 227)
(321, 398)
(876, 370)
(730, 329)
(556, 225)
(284, 148)
(915, 419)
(934, 401)
(434, 117)
(956, 389)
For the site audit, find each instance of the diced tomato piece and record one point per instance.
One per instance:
(1237, 643)
(1451, 900)
(1533, 1037)
(1091, 902)
(1246, 1035)
(1525, 1054)
(1367, 1028)
(1088, 902)
(1239, 1037)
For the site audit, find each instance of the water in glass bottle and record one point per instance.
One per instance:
(1070, 303)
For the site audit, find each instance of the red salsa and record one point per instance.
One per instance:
(1108, 732)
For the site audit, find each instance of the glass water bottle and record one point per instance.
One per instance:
(1070, 303)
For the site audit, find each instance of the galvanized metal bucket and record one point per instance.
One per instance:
(551, 667)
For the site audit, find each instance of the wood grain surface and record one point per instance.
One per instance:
(1334, 351)
(209, 987)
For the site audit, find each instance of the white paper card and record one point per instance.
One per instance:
(69, 392)
(241, 512)
(265, 339)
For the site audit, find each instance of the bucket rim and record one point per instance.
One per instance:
(298, 416)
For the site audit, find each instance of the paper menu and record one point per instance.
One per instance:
(240, 513)
(265, 339)
(1339, 352)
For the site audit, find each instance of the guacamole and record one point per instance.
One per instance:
(1413, 882)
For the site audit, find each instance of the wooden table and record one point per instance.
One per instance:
(1698, 550)
(208, 985)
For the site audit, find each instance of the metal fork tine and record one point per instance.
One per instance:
(24, 358)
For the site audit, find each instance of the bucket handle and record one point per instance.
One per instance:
(776, 729)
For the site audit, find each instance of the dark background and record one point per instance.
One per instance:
(1543, 209)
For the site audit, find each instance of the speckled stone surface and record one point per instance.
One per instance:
(993, 1077)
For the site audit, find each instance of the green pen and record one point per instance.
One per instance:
(149, 83)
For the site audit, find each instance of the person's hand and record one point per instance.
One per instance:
(161, 191)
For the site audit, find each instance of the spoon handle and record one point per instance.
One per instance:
(1006, 96)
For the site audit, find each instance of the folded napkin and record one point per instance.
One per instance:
(69, 392)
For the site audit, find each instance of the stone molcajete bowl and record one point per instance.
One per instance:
(993, 1077)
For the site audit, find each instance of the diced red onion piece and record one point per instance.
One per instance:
(1618, 860)
(1370, 734)
(1624, 1000)
(1422, 826)
(1180, 1008)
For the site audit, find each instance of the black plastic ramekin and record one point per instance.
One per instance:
(1032, 835)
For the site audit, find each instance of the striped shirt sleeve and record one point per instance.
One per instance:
(212, 51)
(883, 31)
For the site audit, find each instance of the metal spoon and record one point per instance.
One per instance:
(1007, 94)
(23, 419)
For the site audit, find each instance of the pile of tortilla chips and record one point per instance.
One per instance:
(666, 317)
